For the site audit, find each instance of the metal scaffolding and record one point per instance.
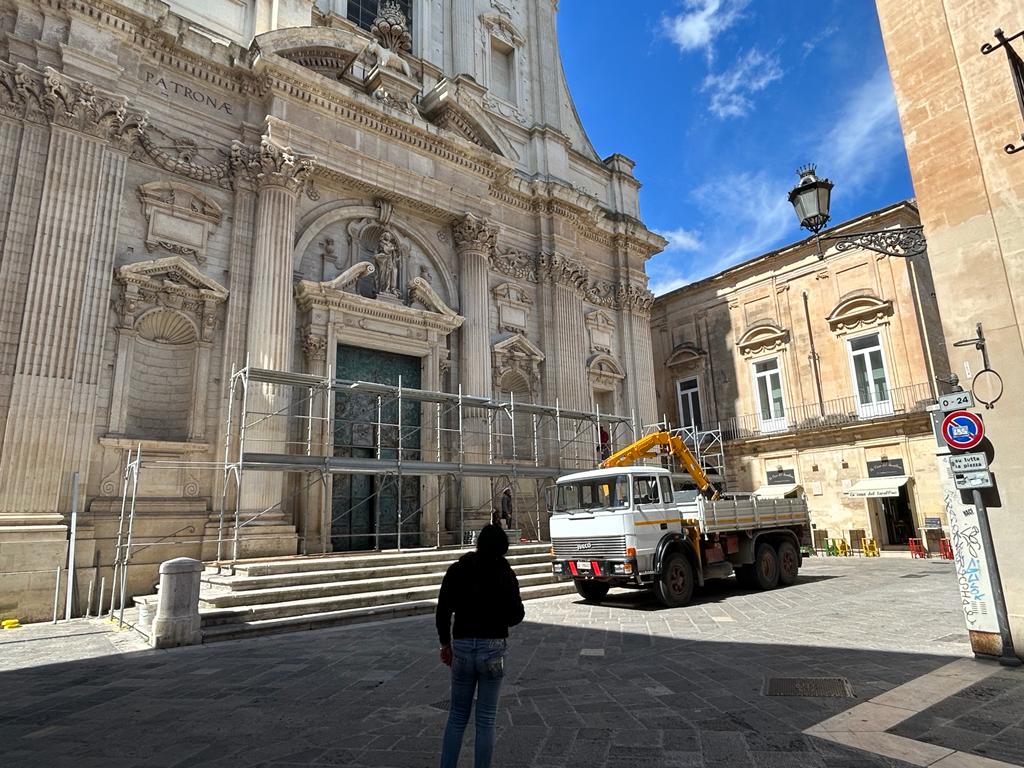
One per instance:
(399, 433)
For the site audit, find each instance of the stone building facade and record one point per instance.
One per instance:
(188, 186)
(962, 123)
(818, 372)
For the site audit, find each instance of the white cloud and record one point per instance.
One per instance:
(696, 28)
(680, 240)
(731, 90)
(865, 134)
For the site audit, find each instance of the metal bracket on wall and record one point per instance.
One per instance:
(1016, 72)
(904, 242)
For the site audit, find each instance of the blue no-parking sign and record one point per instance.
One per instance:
(962, 430)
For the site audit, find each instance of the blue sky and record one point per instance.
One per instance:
(719, 102)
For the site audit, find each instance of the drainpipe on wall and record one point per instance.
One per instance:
(814, 357)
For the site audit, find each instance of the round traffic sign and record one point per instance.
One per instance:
(963, 430)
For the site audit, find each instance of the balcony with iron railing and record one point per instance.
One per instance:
(840, 412)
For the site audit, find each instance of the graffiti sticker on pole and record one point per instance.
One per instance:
(962, 430)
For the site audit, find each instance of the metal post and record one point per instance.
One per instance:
(227, 452)
(1008, 658)
(462, 457)
(128, 541)
(398, 491)
(237, 543)
(558, 430)
(379, 481)
(71, 547)
(120, 533)
(103, 589)
(56, 595)
(88, 600)
(536, 453)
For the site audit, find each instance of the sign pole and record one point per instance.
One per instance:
(1008, 658)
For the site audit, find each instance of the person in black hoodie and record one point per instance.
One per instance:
(481, 589)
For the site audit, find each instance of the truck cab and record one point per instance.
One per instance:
(622, 526)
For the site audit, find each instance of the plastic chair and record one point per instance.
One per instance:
(838, 548)
(917, 549)
(945, 549)
(870, 548)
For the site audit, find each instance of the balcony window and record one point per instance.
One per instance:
(363, 12)
(768, 384)
(870, 381)
(688, 394)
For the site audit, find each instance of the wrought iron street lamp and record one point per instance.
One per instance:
(811, 198)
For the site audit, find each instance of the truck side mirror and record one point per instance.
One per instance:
(549, 498)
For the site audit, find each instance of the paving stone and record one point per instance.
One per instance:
(674, 688)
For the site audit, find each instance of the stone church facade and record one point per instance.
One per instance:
(189, 186)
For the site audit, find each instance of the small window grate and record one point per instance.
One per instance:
(811, 687)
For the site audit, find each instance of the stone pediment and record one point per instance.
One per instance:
(858, 311)
(453, 105)
(325, 50)
(172, 275)
(763, 337)
(518, 345)
(684, 353)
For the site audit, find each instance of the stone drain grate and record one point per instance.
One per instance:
(442, 705)
(812, 687)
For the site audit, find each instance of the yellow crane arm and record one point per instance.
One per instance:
(647, 447)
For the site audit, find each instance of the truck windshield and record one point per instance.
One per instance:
(610, 492)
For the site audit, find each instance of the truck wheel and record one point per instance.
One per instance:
(674, 587)
(592, 590)
(766, 567)
(789, 563)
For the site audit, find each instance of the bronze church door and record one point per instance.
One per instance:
(364, 506)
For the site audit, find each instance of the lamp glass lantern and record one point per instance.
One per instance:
(811, 198)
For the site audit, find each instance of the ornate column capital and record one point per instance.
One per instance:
(271, 165)
(635, 298)
(475, 234)
(563, 269)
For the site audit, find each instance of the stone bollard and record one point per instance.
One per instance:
(177, 609)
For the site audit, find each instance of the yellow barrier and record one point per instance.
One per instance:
(10, 623)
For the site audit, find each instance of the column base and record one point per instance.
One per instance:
(29, 558)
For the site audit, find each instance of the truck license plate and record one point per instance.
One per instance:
(583, 565)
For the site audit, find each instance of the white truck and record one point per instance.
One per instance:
(622, 526)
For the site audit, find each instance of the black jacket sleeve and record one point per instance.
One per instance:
(516, 612)
(446, 605)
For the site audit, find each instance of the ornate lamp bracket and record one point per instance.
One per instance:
(904, 242)
(1016, 72)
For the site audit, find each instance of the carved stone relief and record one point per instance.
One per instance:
(179, 218)
(513, 307)
(601, 328)
(516, 354)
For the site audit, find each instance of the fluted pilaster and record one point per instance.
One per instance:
(573, 386)
(461, 33)
(48, 350)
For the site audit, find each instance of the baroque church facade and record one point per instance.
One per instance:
(332, 186)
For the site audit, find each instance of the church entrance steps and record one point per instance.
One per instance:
(258, 627)
(245, 598)
(347, 560)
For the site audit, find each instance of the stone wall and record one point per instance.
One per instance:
(958, 111)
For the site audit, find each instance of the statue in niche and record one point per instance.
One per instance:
(386, 263)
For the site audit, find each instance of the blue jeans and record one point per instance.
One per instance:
(478, 664)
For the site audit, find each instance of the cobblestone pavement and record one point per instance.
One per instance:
(986, 719)
(624, 683)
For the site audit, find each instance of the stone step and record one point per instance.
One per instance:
(240, 582)
(383, 580)
(245, 613)
(254, 628)
(305, 563)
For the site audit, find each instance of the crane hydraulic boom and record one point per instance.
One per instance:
(648, 446)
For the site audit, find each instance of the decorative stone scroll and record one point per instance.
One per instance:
(517, 264)
(179, 218)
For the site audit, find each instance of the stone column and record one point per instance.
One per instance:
(475, 239)
(635, 303)
(279, 176)
(462, 33)
(567, 277)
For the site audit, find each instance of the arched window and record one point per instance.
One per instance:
(363, 12)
